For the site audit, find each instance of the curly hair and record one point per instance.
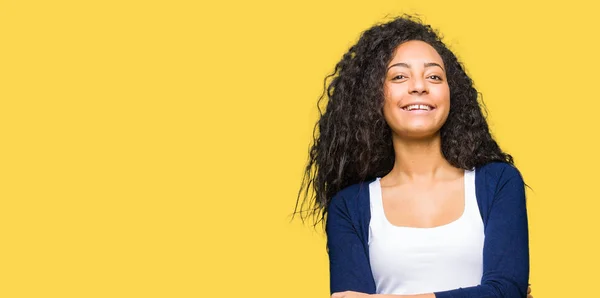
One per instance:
(354, 142)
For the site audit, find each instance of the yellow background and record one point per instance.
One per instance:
(155, 148)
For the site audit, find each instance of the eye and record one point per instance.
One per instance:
(435, 77)
(398, 77)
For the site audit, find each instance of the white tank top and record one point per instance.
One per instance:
(409, 260)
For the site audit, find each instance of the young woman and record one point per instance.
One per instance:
(417, 198)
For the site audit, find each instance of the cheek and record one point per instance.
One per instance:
(389, 107)
(441, 96)
(392, 97)
(392, 114)
(440, 93)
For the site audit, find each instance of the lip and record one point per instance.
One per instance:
(418, 111)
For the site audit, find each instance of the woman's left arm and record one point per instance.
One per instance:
(351, 294)
(506, 244)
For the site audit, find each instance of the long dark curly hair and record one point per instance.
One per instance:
(352, 142)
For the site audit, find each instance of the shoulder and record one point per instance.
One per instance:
(498, 173)
(499, 186)
(351, 203)
(349, 210)
(498, 180)
(352, 195)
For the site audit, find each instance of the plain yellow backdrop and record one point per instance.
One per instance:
(155, 148)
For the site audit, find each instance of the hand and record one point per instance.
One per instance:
(349, 294)
(529, 292)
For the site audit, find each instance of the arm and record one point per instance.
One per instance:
(506, 245)
(351, 294)
(405, 296)
(349, 265)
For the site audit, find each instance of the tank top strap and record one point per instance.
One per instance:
(375, 198)
(471, 207)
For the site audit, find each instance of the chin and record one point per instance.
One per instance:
(419, 133)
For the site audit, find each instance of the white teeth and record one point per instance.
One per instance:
(418, 107)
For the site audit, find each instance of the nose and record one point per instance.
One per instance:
(417, 86)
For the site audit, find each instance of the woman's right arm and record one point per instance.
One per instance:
(349, 267)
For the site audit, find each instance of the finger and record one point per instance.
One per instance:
(529, 290)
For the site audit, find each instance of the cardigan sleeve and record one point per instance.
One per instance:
(349, 267)
(506, 244)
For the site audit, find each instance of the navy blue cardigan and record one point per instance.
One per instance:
(500, 192)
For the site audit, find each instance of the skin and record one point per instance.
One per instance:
(422, 189)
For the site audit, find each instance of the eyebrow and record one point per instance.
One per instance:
(428, 64)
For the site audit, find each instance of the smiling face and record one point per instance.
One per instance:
(417, 96)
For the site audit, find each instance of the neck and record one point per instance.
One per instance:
(420, 159)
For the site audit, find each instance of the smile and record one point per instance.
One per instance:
(418, 108)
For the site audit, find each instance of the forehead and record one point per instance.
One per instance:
(416, 51)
